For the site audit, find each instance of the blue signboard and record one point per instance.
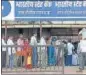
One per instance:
(50, 10)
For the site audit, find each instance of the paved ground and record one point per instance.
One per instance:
(49, 70)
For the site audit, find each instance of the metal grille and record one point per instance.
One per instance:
(56, 67)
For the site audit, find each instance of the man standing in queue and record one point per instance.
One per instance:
(33, 43)
(82, 49)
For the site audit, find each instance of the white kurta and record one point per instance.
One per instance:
(70, 47)
(57, 43)
(43, 53)
(33, 41)
(42, 42)
(10, 49)
(74, 59)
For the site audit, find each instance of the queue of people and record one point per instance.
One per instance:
(27, 55)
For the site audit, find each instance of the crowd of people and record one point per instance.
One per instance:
(48, 52)
(26, 53)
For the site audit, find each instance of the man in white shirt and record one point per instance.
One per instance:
(70, 49)
(82, 54)
(33, 42)
(3, 54)
(81, 50)
(11, 51)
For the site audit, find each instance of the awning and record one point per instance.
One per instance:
(46, 26)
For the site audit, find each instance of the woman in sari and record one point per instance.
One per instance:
(51, 55)
(20, 42)
(27, 53)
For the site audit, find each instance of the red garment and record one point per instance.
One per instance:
(28, 49)
(29, 66)
(25, 49)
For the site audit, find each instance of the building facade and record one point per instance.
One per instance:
(63, 30)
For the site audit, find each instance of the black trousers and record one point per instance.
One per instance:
(3, 59)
